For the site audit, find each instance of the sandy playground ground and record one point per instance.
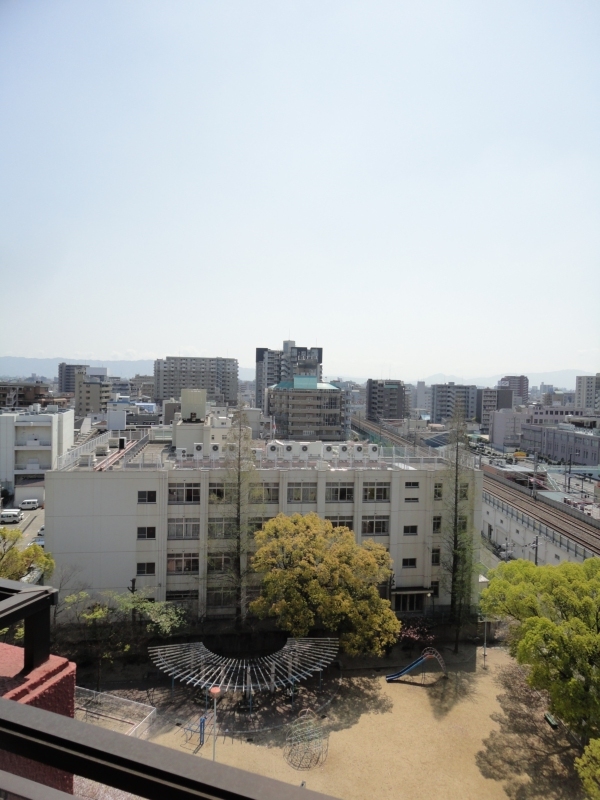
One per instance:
(478, 734)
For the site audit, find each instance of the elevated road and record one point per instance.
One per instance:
(579, 531)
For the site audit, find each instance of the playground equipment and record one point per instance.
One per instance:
(194, 664)
(429, 652)
(307, 743)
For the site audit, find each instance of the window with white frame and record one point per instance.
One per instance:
(376, 491)
(146, 533)
(409, 563)
(221, 492)
(219, 562)
(339, 492)
(410, 530)
(182, 563)
(222, 528)
(184, 493)
(341, 521)
(302, 493)
(376, 525)
(180, 528)
(146, 568)
(264, 493)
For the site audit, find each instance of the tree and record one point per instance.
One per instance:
(588, 769)
(557, 633)
(315, 573)
(240, 490)
(458, 535)
(17, 561)
(108, 629)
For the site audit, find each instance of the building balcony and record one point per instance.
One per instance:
(33, 445)
(33, 469)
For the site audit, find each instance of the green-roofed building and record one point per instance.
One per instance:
(305, 409)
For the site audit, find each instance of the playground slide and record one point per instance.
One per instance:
(405, 670)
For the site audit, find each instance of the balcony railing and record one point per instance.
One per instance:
(131, 765)
(109, 758)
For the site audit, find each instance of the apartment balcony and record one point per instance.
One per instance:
(33, 445)
(31, 469)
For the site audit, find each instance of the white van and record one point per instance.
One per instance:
(12, 515)
(27, 505)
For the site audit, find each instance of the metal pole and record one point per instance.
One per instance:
(215, 729)
(484, 642)
(537, 543)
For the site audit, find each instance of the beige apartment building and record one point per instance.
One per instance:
(92, 393)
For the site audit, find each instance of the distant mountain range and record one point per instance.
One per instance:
(16, 367)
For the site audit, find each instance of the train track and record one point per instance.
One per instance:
(561, 522)
(378, 430)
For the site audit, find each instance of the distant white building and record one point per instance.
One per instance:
(447, 398)
(30, 445)
(587, 391)
(505, 428)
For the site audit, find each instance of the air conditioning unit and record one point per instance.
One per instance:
(214, 450)
(303, 450)
(198, 450)
(359, 452)
(373, 452)
(288, 452)
(329, 451)
(343, 452)
(272, 450)
(181, 452)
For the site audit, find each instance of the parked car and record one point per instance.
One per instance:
(28, 505)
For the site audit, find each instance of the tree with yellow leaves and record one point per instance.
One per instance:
(316, 574)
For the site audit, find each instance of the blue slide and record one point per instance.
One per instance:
(405, 670)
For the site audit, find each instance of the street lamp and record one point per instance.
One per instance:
(215, 691)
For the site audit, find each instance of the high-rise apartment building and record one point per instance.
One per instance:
(519, 385)
(448, 398)
(307, 410)
(386, 399)
(587, 391)
(219, 376)
(92, 393)
(66, 376)
(488, 401)
(274, 366)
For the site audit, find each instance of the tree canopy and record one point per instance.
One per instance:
(315, 573)
(16, 561)
(558, 635)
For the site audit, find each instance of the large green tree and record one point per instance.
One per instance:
(588, 769)
(314, 574)
(557, 609)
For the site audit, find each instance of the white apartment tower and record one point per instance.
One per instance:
(587, 391)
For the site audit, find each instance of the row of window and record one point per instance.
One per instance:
(226, 528)
(373, 492)
(188, 563)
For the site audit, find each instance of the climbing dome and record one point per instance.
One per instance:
(195, 665)
(306, 743)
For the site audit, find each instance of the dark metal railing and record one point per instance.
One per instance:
(132, 765)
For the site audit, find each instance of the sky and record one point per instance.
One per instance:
(413, 186)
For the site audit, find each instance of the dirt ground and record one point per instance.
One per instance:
(478, 734)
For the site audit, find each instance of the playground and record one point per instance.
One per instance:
(479, 733)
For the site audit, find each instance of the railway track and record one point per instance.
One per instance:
(561, 522)
(385, 433)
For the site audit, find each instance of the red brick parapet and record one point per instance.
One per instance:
(51, 686)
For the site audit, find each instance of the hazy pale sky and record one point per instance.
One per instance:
(413, 186)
